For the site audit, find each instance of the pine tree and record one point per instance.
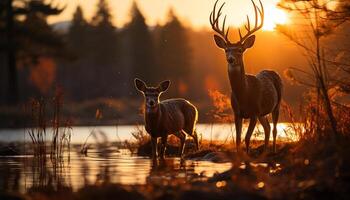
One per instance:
(76, 74)
(174, 54)
(105, 56)
(141, 48)
(78, 32)
(104, 36)
(103, 15)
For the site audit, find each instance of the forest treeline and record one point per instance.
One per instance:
(105, 60)
(93, 59)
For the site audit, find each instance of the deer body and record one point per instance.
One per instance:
(171, 116)
(257, 96)
(252, 97)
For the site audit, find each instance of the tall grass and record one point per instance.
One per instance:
(61, 135)
(59, 131)
(312, 123)
(85, 146)
(37, 132)
(222, 113)
(139, 138)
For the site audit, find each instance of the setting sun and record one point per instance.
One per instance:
(274, 16)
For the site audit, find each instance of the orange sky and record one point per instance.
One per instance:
(192, 12)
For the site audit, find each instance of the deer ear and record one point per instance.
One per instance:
(163, 86)
(219, 42)
(249, 42)
(140, 85)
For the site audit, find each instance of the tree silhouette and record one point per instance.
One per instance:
(174, 53)
(104, 52)
(22, 36)
(340, 14)
(318, 22)
(79, 47)
(78, 32)
(104, 38)
(103, 15)
(141, 47)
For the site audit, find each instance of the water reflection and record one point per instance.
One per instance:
(9, 175)
(25, 174)
(106, 164)
(221, 132)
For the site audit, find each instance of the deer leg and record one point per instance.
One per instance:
(154, 148)
(238, 126)
(250, 130)
(195, 138)
(275, 115)
(163, 147)
(266, 125)
(182, 136)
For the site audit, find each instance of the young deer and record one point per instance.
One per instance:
(252, 97)
(171, 116)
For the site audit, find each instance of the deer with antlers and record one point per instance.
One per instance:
(252, 97)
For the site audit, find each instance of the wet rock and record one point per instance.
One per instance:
(217, 157)
(198, 154)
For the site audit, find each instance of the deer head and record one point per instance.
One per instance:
(234, 51)
(151, 94)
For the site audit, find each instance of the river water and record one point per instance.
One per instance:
(217, 132)
(22, 173)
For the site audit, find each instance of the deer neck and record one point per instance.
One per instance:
(237, 80)
(152, 118)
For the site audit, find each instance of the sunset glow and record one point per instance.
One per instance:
(193, 13)
(274, 16)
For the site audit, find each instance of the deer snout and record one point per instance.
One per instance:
(230, 60)
(151, 103)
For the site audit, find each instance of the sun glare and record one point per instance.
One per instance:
(274, 16)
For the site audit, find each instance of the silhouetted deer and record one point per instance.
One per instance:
(171, 116)
(252, 96)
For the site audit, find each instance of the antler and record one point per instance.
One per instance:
(214, 21)
(256, 27)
